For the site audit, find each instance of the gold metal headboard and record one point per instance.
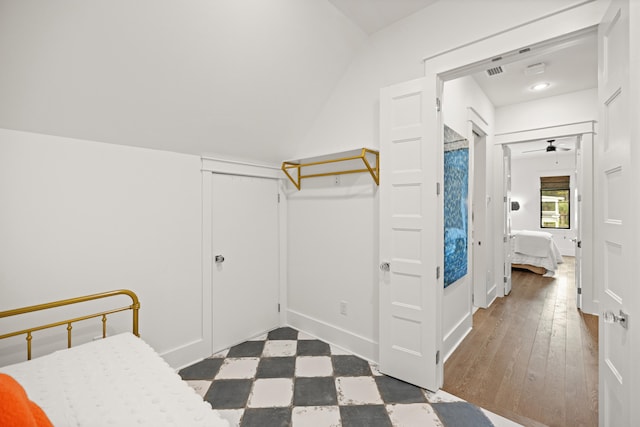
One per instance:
(135, 306)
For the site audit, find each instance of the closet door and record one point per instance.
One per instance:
(246, 258)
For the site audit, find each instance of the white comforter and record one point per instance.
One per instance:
(117, 381)
(535, 248)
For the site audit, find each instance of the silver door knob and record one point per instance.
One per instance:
(385, 266)
(219, 259)
(622, 318)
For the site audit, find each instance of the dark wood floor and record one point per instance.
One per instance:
(532, 357)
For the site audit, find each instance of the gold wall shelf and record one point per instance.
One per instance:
(335, 164)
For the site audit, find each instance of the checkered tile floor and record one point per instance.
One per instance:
(287, 378)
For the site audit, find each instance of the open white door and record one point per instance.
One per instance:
(410, 234)
(506, 230)
(616, 224)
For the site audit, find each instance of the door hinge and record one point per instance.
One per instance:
(278, 197)
(437, 357)
(579, 291)
(505, 279)
(437, 272)
(579, 197)
(579, 243)
(278, 307)
(505, 199)
(437, 188)
(438, 104)
(504, 239)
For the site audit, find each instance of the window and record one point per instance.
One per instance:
(555, 202)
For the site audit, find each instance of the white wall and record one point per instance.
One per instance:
(552, 111)
(525, 188)
(80, 217)
(333, 257)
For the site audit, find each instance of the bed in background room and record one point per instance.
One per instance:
(535, 251)
(116, 381)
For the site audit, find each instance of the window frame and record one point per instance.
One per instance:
(555, 183)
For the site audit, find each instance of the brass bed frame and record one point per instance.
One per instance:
(135, 307)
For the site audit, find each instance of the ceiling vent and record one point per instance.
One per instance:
(534, 69)
(494, 71)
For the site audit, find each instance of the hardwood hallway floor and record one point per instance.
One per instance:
(533, 356)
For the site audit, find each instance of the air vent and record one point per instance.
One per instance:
(494, 71)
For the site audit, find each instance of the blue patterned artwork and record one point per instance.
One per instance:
(456, 191)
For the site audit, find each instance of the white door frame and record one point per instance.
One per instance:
(538, 35)
(211, 165)
(586, 131)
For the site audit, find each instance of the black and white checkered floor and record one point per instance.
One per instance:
(287, 378)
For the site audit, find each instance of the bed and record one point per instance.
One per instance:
(535, 251)
(115, 381)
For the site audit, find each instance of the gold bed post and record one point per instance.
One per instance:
(135, 307)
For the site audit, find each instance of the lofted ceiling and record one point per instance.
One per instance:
(243, 79)
(373, 15)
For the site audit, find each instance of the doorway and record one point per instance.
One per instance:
(488, 359)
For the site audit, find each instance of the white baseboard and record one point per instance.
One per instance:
(491, 295)
(187, 354)
(454, 337)
(356, 344)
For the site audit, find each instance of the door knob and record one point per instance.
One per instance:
(622, 318)
(385, 266)
(219, 259)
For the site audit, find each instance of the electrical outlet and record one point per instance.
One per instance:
(343, 308)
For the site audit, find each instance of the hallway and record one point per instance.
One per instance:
(532, 356)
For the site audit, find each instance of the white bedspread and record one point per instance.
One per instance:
(535, 248)
(534, 243)
(118, 381)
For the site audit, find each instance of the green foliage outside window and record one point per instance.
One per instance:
(555, 209)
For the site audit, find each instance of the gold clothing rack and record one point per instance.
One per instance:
(354, 161)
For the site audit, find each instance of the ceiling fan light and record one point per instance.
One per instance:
(540, 86)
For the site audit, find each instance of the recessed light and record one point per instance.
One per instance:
(540, 86)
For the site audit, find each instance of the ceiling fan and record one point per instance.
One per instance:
(549, 148)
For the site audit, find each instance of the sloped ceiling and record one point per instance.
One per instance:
(244, 79)
(373, 15)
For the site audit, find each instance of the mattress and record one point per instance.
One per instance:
(117, 381)
(535, 248)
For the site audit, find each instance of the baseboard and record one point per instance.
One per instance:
(455, 336)
(356, 344)
(491, 295)
(187, 354)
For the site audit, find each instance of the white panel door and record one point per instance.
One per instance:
(506, 231)
(615, 228)
(246, 279)
(410, 234)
